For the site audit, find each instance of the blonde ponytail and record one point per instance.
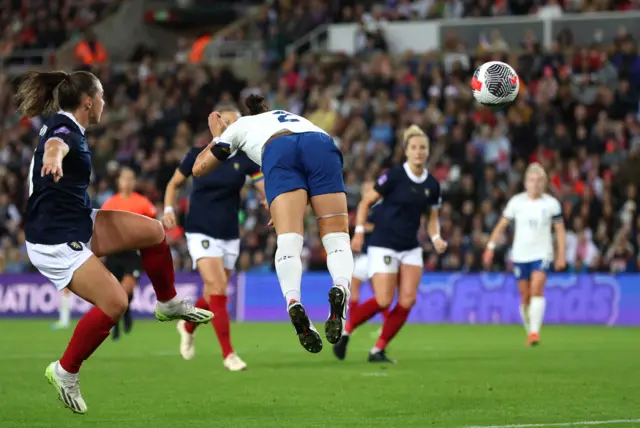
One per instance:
(413, 131)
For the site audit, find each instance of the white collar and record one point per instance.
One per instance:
(414, 177)
(72, 117)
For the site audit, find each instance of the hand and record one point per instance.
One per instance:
(169, 220)
(216, 124)
(487, 258)
(560, 265)
(52, 166)
(440, 245)
(357, 242)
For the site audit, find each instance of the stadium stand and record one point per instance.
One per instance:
(578, 114)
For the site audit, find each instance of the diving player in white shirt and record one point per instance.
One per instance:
(534, 214)
(300, 163)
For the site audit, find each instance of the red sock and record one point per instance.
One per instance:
(201, 304)
(361, 314)
(352, 306)
(218, 305)
(158, 264)
(392, 325)
(92, 329)
(385, 314)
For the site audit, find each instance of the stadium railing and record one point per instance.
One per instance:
(425, 36)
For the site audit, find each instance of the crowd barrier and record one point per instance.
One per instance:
(612, 300)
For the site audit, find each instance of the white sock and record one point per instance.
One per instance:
(536, 313)
(524, 314)
(374, 350)
(65, 309)
(339, 257)
(289, 265)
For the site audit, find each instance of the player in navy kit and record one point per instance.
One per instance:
(213, 237)
(408, 192)
(65, 236)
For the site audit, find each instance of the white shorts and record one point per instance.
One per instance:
(59, 262)
(201, 246)
(361, 267)
(386, 260)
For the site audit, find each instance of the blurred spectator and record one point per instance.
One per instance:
(90, 51)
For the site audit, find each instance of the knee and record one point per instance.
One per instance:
(407, 301)
(384, 301)
(116, 305)
(337, 224)
(217, 288)
(289, 245)
(525, 299)
(156, 231)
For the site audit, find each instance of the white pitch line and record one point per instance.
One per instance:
(562, 424)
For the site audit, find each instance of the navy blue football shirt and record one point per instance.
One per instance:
(214, 203)
(60, 212)
(405, 198)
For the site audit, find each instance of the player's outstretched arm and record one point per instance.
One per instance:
(369, 198)
(210, 158)
(170, 196)
(487, 257)
(54, 151)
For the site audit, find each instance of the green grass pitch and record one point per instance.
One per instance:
(446, 376)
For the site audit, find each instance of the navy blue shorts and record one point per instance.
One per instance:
(524, 270)
(309, 161)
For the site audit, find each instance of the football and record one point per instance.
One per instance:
(495, 84)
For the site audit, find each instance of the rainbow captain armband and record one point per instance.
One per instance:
(257, 176)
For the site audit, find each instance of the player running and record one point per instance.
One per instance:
(407, 192)
(300, 162)
(213, 237)
(126, 266)
(534, 214)
(65, 236)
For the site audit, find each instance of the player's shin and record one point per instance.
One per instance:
(392, 325)
(536, 313)
(158, 264)
(339, 257)
(92, 329)
(524, 314)
(289, 265)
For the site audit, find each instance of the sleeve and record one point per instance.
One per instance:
(386, 182)
(253, 171)
(109, 204)
(556, 211)
(437, 197)
(65, 135)
(510, 210)
(230, 138)
(149, 209)
(186, 165)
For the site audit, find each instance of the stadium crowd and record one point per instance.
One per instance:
(577, 115)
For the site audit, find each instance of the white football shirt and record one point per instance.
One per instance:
(250, 133)
(533, 218)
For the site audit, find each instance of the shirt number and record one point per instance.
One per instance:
(283, 116)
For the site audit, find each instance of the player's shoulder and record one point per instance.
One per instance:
(431, 181)
(550, 199)
(519, 198)
(60, 125)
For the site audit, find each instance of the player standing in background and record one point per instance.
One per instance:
(212, 228)
(64, 311)
(534, 213)
(408, 192)
(126, 266)
(300, 162)
(65, 237)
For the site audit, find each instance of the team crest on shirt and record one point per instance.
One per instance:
(75, 245)
(426, 192)
(387, 260)
(236, 165)
(205, 244)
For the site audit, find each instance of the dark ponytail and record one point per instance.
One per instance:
(46, 93)
(256, 104)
